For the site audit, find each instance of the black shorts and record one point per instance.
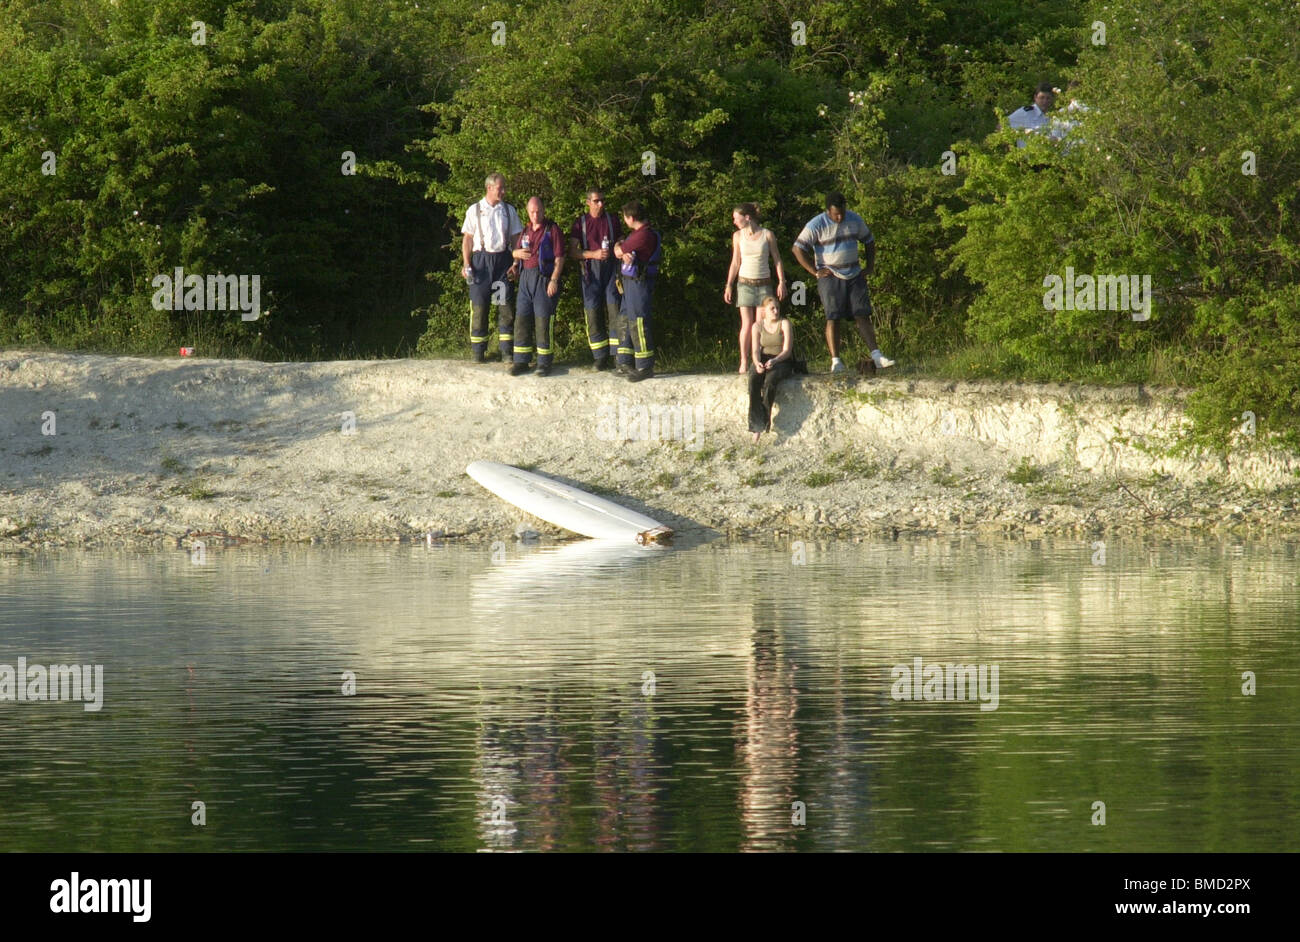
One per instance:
(843, 299)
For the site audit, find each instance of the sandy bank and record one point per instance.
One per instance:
(156, 451)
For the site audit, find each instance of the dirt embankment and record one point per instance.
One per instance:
(163, 451)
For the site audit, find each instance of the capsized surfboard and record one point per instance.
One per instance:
(567, 506)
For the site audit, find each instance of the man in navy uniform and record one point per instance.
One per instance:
(539, 249)
(490, 225)
(591, 240)
(640, 252)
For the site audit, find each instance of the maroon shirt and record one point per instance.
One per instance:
(534, 234)
(643, 242)
(597, 229)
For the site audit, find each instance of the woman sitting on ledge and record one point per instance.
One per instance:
(773, 351)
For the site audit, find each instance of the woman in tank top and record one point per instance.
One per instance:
(753, 254)
(773, 350)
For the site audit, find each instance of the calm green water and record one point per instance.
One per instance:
(509, 704)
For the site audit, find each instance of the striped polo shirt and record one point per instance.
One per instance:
(835, 245)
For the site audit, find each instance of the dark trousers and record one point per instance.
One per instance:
(762, 392)
(600, 302)
(534, 310)
(636, 338)
(488, 270)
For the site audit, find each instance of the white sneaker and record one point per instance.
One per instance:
(881, 360)
(837, 365)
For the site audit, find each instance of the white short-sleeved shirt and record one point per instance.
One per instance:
(1028, 118)
(500, 225)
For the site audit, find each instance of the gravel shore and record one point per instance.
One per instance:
(162, 452)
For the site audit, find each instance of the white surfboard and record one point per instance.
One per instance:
(567, 506)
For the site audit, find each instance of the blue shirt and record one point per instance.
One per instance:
(834, 245)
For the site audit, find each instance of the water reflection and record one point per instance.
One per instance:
(768, 744)
(630, 698)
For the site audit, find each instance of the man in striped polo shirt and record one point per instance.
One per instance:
(828, 248)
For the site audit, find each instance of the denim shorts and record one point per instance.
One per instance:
(753, 295)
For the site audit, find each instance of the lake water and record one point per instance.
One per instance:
(714, 697)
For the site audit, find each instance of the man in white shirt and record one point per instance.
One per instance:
(487, 264)
(1033, 117)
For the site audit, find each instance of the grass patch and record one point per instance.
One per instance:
(172, 465)
(196, 489)
(853, 464)
(448, 494)
(758, 479)
(1026, 473)
(704, 454)
(821, 478)
(39, 452)
(663, 480)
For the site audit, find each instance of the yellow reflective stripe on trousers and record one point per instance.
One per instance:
(472, 338)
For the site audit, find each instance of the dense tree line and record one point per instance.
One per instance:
(139, 136)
